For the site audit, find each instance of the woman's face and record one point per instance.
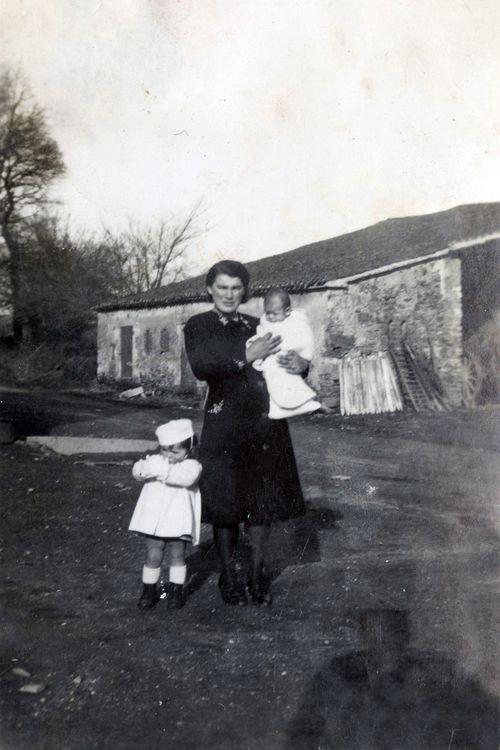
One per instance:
(227, 293)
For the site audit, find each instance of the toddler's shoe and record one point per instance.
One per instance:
(176, 596)
(149, 596)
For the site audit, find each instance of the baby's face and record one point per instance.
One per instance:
(275, 311)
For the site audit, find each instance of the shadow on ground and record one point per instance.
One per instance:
(34, 419)
(293, 543)
(389, 697)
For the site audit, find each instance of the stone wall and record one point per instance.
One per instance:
(423, 301)
(157, 357)
(169, 368)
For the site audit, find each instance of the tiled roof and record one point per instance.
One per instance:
(390, 241)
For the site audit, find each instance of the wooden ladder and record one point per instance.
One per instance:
(417, 388)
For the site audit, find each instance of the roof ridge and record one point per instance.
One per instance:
(381, 244)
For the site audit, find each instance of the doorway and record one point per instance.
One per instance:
(126, 348)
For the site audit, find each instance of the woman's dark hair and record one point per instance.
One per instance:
(232, 268)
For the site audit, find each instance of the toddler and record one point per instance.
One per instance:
(289, 395)
(168, 511)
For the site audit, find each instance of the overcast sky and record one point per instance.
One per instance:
(292, 120)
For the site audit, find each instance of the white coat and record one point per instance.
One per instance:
(169, 504)
(289, 395)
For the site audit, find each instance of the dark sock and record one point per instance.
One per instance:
(226, 539)
(258, 541)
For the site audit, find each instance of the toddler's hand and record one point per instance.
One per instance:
(138, 470)
(151, 467)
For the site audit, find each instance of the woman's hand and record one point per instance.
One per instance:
(293, 362)
(262, 347)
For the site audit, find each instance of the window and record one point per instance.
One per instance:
(148, 341)
(164, 340)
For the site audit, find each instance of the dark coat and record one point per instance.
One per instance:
(249, 470)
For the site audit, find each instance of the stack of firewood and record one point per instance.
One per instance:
(368, 384)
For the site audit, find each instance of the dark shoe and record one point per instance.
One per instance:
(231, 591)
(260, 589)
(176, 596)
(149, 596)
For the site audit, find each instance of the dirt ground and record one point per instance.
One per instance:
(383, 629)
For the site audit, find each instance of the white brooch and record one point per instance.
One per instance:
(216, 408)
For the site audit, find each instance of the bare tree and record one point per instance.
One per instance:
(155, 255)
(4, 277)
(30, 160)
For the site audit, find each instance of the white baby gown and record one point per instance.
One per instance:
(289, 395)
(169, 504)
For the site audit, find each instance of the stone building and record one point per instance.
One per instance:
(430, 280)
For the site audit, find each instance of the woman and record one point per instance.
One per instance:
(249, 471)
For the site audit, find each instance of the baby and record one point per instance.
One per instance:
(289, 395)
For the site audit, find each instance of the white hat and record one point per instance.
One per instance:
(175, 431)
